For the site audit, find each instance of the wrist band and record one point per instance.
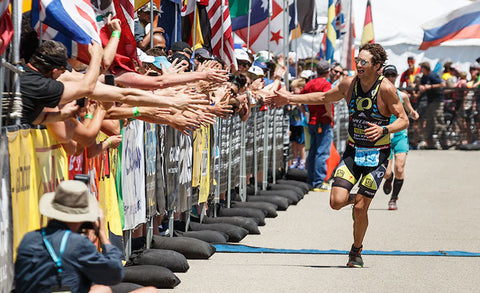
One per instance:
(136, 112)
(109, 142)
(88, 116)
(116, 34)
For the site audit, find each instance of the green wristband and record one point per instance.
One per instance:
(88, 116)
(109, 142)
(136, 112)
(116, 34)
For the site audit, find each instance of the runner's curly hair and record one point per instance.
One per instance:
(379, 56)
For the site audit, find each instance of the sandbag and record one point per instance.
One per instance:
(281, 202)
(290, 195)
(257, 214)
(297, 174)
(268, 207)
(209, 236)
(235, 233)
(246, 223)
(148, 275)
(469, 147)
(191, 248)
(169, 259)
(295, 189)
(125, 287)
(303, 185)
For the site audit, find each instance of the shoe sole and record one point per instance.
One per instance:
(349, 265)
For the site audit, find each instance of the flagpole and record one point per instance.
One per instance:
(176, 22)
(248, 23)
(296, 39)
(223, 31)
(194, 32)
(151, 24)
(266, 117)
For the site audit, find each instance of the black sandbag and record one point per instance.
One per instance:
(235, 233)
(191, 248)
(270, 208)
(257, 214)
(297, 190)
(148, 275)
(250, 190)
(297, 174)
(169, 259)
(125, 287)
(209, 236)
(292, 196)
(246, 223)
(303, 185)
(281, 202)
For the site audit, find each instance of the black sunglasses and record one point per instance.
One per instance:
(362, 61)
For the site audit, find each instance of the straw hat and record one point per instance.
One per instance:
(71, 202)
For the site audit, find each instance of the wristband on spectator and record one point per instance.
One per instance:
(136, 112)
(109, 142)
(116, 34)
(88, 116)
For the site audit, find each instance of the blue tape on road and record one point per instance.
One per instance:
(235, 248)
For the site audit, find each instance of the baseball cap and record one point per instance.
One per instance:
(475, 65)
(203, 53)
(161, 62)
(323, 67)
(146, 8)
(240, 54)
(181, 47)
(144, 57)
(263, 56)
(260, 64)
(390, 69)
(306, 74)
(256, 70)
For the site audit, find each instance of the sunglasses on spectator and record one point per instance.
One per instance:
(244, 63)
(362, 61)
(337, 72)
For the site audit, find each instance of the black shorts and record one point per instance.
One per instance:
(297, 134)
(348, 173)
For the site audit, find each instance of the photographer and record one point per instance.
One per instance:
(58, 258)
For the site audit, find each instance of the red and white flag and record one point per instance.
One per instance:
(6, 27)
(215, 13)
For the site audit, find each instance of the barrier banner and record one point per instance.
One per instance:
(107, 163)
(224, 150)
(201, 162)
(25, 195)
(172, 167)
(185, 168)
(150, 168)
(160, 172)
(6, 229)
(133, 174)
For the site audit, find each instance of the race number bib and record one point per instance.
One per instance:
(367, 157)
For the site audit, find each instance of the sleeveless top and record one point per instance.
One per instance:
(362, 109)
(393, 118)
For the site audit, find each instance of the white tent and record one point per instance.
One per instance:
(397, 27)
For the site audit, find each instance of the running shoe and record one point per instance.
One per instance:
(324, 187)
(387, 185)
(293, 165)
(301, 165)
(355, 258)
(392, 205)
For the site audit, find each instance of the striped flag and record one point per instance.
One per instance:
(215, 14)
(6, 27)
(367, 34)
(462, 23)
(348, 44)
(331, 35)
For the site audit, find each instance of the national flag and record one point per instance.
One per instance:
(69, 22)
(167, 19)
(221, 31)
(323, 47)
(367, 34)
(140, 3)
(239, 12)
(348, 44)
(199, 24)
(461, 23)
(331, 34)
(6, 27)
(259, 35)
(307, 15)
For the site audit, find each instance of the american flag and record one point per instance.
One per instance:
(215, 13)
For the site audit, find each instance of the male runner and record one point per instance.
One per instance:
(371, 101)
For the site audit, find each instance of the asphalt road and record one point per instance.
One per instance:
(439, 210)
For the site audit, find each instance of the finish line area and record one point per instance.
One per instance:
(238, 248)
